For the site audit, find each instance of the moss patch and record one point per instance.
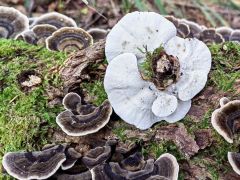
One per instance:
(25, 116)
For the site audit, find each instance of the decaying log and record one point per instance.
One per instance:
(72, 69)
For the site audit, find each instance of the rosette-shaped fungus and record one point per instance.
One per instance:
(226, 119)
(55, 19)
(80, 120)
(34, 165)
(12, 22)
(69, 39)
(71, 157)
(144, 88)
(135, 167)
(234, 160)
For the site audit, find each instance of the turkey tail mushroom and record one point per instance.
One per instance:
(12, 22)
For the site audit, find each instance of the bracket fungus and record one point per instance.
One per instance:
(34, 165)
(69, 39)
(55, 19)
(97, 33)
(226, 119)
(80, 120)
(225, 32)
(71, 157)
(135, 167)
(12, 22)
(96, 156)
(211, 36)
(234, 160)
(144, 88)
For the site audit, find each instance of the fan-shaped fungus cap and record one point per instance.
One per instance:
(96, 156)
(144, 101)
(80, 176)
(82, 124)
(183, 29)
(195, 29)
(71, 157)
(225, 120)
(225, 32)
(235, 36)
(12, 22)
(211, 36)
(42, 32)
(34, 165)
(134, 162)
(27, 36)
(55, 19)
(157, 177)
(69, 39)
(97, 33)
(167, 166)
(234, 160)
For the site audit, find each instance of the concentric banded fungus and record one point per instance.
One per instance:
(97, 33)
(211, 36)
(235, 36)
(71, 157)
(27, 36)
(195, 29)
(226, 119)
(55, 19)
(81, 176)
(234, 160)
(34, 165)
(42, 32)
(144, 89)
(183, 29)
(69, 39)
(78, 123)
(97, 156)
(12, 22)
(225, 32)
(167, 166)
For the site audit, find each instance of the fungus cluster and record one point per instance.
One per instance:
(158, 84)
(79, 119)
(226, 121)
(54, 30)
(97, 163)
(189, 29)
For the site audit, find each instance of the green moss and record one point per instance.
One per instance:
(96, 91)
(25, 116)
(225, 63)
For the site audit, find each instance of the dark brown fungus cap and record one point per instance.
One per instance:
(34, 165)
(42, 32)
(97, 33)
(134, 162)
(96, 156)
(167, 166)
(234, 160)
(75, 124)
(80, 176)
(71, 157)
(27, 36)
(183, 29)
(235, 36)
(104, 172)
(69, 39)
(226, 119)
(71, 101)
(195, 29)
(211, 36)
(225, 32)
(55, 19)
(12, 22)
